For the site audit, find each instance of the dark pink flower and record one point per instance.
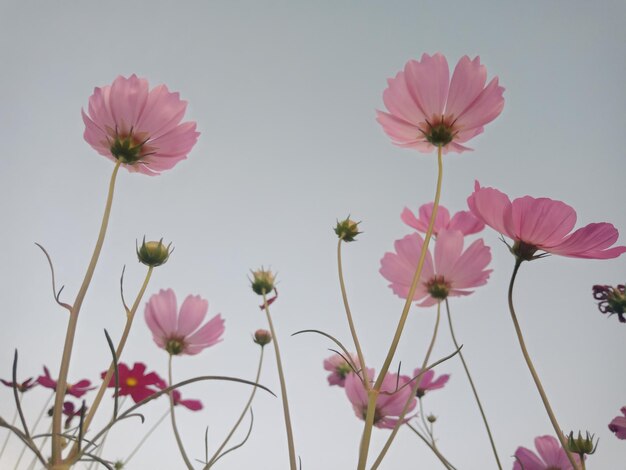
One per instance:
(76, 390)
(135, 382)
(193, 405)
(551, 456)
(178, 333)
(452, 274)
(612, 300)
(339, 368)
(71, 411)
(139, 127)
(22, 387)
(395, 392)
(427, 383)
(463, 221)
(543, 224)
(618, 425)
(427, 109)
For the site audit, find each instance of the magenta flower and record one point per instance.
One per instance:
(139, 127)
(542, 224)
(193, 405)
(135, 382)
(427, 383)
(463, 221)
(427, 109)
(71, 411)
(339, 368)
(618, 425)
(394, 393)
(178, 333)
(452, 274)
(22, 387)
(551, 456)
(76, 390)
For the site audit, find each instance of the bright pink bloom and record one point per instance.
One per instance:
(394, 394)
(427, 109)
(543, 224)
(463, 221)
(427, 383)
(135, 382)
(339, 368)
(551, 456)
(618, 425)
(76, 390)
(178, 333)
(139, 127)
(453, 273)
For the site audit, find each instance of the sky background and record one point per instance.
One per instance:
(284, 94)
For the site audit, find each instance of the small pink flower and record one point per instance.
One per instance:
(394, 394)
(178, 333)
(427, 109)
(618, 425)
(551, 456)
(453, 273)
(135, 382)
(193, 405)
(339, 368)
(76, 390)
(427, 383)
(139, 127)
(463, 221)
(542, 224)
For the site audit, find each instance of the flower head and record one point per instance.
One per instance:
(153, 253)
(262, 337)
(178, 333)
(347, 230)
(551, 456)
(452, 274)
(612, 300)
(76, 390)
(618, 425)
(427, 382)
(22, 387)
(395, 391)
(339, 368)
(427, 109)
(139, 127)
(463, 221)
(542, 224)
(135, 382)
(263, 281)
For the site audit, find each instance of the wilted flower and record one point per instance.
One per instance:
(76, 390)
(453, 273)
(153, 253)
(262, 337)
(618, 425)
(542, 224)
(339, 368)
(427, 109)
(263, 281)
(178, 333)
(139, 127)
(395, 392)
(551, 456)
(347, 229)
(22, 387)
(463, 221)
(135, 382)
(427, 383)
(612, 300)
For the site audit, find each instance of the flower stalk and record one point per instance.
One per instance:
(179, 441)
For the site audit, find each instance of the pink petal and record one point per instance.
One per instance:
(441, 220)
(161, 313)
(469, 270)
(400, 131)
(162, 112)
(428, 82)
(127, 100)
(400, 102)
(468, 80)
(592, 241)
(550, 450)
(528, 459)
(485, 108)
(493, 208)
(409, 218)
(192, 313)
(206, 336)
(448, 249)
(466, 222)
(541, 222)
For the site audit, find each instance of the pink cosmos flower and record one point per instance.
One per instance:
(452, 274)
(427, 109)
(551, 456)
(463, 221)
(139, 127)
(542, 224)
(389, 404)
(76, 390)
(427, 383)
(339, 368)
(178, 333)
(135, 382)
(618, 425)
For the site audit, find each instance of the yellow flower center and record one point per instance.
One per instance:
(131, 381)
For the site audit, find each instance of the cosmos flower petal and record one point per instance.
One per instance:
(428, 82)
(542, 221)
(466, 223)
(160, 313)
(487, 106)
(400, 102)
(208, 335)
(592, 241)
(448, 248)
(127, 100)
(492, 207)
(469, 269)
(192, 313)
(528, 459)
(468, 81)
(400, 131)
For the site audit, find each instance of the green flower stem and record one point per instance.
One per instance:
(533, 372)
(56, 459)
(173, 416)
(414, 388)
(217, 453)
(355, 338)
(474, 391)
(367, 431)
(283, 388)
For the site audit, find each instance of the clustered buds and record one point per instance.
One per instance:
(347, 230)
(153, 253)
(263, 281)
(262, 337)
(612, 300)
(581, 445)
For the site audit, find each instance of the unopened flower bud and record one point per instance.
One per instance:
(262, 337)
(153, 253)
(581, 445)
(347, 230)
(431, 418)
(262, 281)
